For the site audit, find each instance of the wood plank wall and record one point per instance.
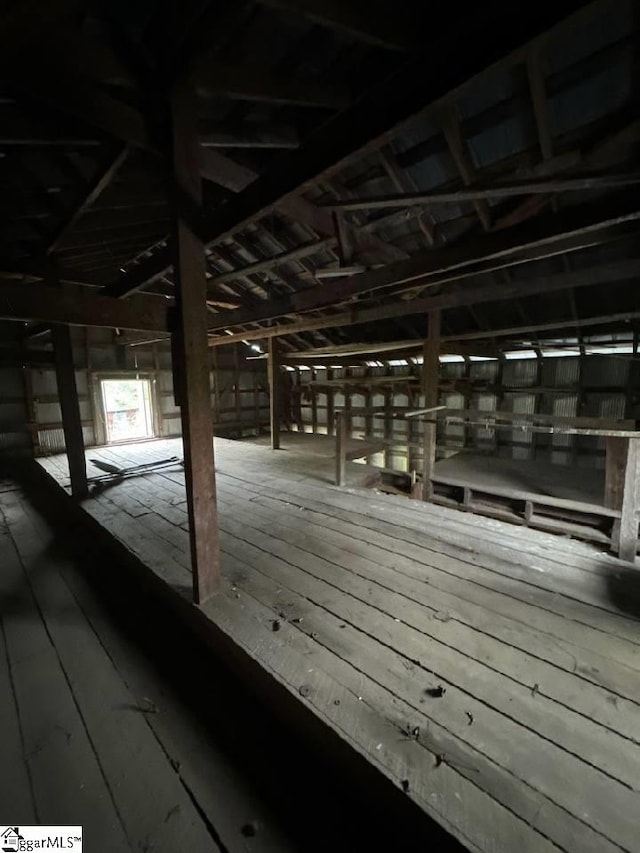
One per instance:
(239, 390)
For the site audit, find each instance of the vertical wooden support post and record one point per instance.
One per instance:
(369, 425)
(622, 492)
(216, 385)
(71, 420)
(27, 380)
(388, 428)
(191, 351)
(275, 393)
(341, 448)
(314, 404)
(330, 404)
(236, 390)
(348, 404)
(430, 370)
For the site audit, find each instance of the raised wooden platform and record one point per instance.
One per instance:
(491, 673)
(567, 500)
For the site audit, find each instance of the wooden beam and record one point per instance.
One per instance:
(275, 393)
(70, 407)
(368, 124)
(460, 156)
(599, 320)
(627, 270)
(290, 255)
(605, 154)
(80, 306)
(341, 447)
(405, 184)
(357, 19)
(250, 135)
(539, 99)
(243, 82)
(531, 241)
(92, 193)
(224, 171)
(430, 370)
(622, 493)
(191, 349)
(543, 186)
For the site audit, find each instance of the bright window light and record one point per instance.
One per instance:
(560, 353)
(482, 358)
(517, 354)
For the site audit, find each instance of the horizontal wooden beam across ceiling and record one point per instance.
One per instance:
(358, 19)
(244, 82)
(579, 183)
(622, 271)
(249, 135)
(574, 228)
(79, 306)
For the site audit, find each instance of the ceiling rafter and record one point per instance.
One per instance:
(404, 184)
(105, 174)
(358, 19)
(459, 154)
(453, 298)
(506, 189)
(363, 127)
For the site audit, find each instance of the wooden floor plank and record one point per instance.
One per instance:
(457, 593)
(448, 796)
(588, 601)
(68, 784)
(15, 787)
(529, 657)
(351, 659)
(510, 711)
(218, 785)
(155, 809)
(538, 658)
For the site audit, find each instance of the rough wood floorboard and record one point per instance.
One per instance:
(69, 786)
(534, 742)
(16, 793)
(93, 758)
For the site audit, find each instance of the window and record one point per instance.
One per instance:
(127, 406)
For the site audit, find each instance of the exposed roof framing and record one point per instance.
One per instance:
(358, 129)
(361, 20)
(354, 174)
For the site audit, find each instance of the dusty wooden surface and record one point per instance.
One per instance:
(525, 479)
(94, 732)
(492, 672)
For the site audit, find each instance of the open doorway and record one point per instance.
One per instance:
(127, 409)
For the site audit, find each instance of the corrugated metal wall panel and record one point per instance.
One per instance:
(607, 371)
(51, 440)
(520, 373)
(560, 372)
(484, 370)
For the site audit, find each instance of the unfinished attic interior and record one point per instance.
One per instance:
(319, 425)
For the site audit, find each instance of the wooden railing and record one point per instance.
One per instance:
(622, 468)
